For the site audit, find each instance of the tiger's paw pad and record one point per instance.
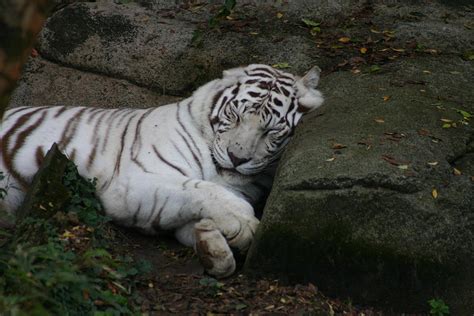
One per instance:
(212, 250)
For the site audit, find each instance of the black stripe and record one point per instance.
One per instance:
(167, 162)
(155, 201)
(156, 221)
(135, 216)
(189, 135)
(192, 152)
(122, 142)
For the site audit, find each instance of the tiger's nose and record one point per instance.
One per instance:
(236, 161)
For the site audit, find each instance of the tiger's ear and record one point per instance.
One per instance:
(309, 98)
(234, 72)
(311, 79)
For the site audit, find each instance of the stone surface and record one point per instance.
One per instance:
(46, 83)
(361, 221)
(364, 224)
(433, 26)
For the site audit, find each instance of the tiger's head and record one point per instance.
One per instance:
(255, 113)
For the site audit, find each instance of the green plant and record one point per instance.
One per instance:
(63, 266)
(211, 285)
(438, 307)
(225, 10)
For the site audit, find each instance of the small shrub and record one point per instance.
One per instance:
(438, 307)
(62, 265)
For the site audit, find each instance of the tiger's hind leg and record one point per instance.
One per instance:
(210, 245)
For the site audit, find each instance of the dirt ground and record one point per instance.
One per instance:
(178, 285)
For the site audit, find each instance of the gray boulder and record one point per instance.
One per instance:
(368, 201)
(46, 83)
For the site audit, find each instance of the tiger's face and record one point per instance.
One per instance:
(254, 116)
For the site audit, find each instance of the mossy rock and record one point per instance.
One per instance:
(353, 209)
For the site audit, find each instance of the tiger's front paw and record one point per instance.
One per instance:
(238, 228)
(212, 249)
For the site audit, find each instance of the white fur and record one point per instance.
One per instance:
(137, 187)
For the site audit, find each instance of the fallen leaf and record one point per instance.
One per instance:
(379, 120)
(375, 31)
(424, 132)
(315, 30)
(386, 98)
(374, 68)
(433, 163)
(446, 120)
(403, 167)
(434, 193)
(253, 33)
(355, 71)
(457, 172)
(279, 15)
(338, 146)
(389, 33)
(363, 50)
(240, 306)
(465, 114)
(311, 23)
(281, 65)
(344, 39)
(426, 71)
(330, 159)
(391, 160)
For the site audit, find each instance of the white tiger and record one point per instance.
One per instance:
(195, 167)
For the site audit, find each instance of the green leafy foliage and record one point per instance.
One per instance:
(225, 10)
(211, 285)
(312, 25)
(438, 307)
(283, 65)
(62, 265)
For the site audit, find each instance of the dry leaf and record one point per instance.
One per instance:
(400, 50)
(433, 163)
(446, 120)
(379, 120)
(363, 50)
(457, 172)
(403, 167)
(279, 15)
(253, 33)
(426, 71)
(330, 159)
(391, 160)
(434, 193)
(344, 39)
(338, 146)
(386, 98)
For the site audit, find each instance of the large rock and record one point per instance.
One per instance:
(354, 207)
(46, 83)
